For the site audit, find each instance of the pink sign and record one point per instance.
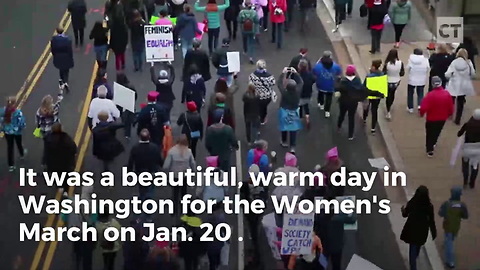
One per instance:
(201, 26)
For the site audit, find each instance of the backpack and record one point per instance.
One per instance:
(247, 24)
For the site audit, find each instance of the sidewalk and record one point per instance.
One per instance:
(435, 173)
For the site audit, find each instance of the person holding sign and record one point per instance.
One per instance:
(307, 261)
(376, 80)
(163, 82)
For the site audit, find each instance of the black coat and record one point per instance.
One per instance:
(201, 60)
(78, 9)
(60, 151)
(118, 39)
(61, 48)
(106, 146)
(195, 123)
(420, 218)
(137, 37)
(251, 107)
(231, 13)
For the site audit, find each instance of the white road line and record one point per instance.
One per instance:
(241, 244)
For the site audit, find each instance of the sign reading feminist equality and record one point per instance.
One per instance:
(159, 43)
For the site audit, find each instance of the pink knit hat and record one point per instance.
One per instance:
(351, 70)
(212, 161)
(290, 160)
(332, 154)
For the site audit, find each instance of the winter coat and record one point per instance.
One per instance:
(281, 7)
(263, 82)
(190, 122)
(353, 91)
(194, 90)
(377, 14)
(439, 63)
(418, 67)
(228, 117)
(219, 141)
(61, 48)
(187, 26)
(145, 157)
(152, 117)
(400, 13)
(164, 89)
(119, 39)
(137, 36)
(290, 97)
(308, 82)
(471, 129)
(60, 151)
(251, 107)
(212, 13)
(78, 10)
(220, 61)
(16, 124)
(437, 105)
(330, 229)
(231, 13)
(248, 14)
(199, 58)
(179, 160)
(453, 211)
(106, 146)
(460, 74)
(296, 60)
(420, 219)
(327, 73)
(100, 38)
(394, 71)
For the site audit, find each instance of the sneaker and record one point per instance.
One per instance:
(410, 110)
(335, 29)
(292, 150)
(265, 30)
(25, 152)
(372, 131)
(320, 106)
(66, 87)
(430, 154)
(11, 168)
(285, 145)
(65, 194)
(351, 138)
(327, 114)
(388, 116)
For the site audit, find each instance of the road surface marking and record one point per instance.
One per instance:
(241, 244)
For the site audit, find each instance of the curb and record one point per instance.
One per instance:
(386, 134)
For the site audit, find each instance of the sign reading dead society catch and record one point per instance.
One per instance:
(159, 43)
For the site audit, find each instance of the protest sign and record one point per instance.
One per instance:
(270, 228)
(159, 43)
(297, 238)
(359, 263)
(233, 60)
(200, 26)
(124, 97)
(348, 227)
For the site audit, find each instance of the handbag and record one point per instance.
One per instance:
(37, 133)
(193, 134)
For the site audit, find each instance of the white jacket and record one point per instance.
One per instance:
(459, 75)
(418, 67)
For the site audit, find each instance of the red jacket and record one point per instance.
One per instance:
(437, 104)
(281, 4)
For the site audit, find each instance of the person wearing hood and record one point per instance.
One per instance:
(153, 117)
(220, 140)
(400, 13)
(212, 13)
(420, 219)
(327, 72)
(192, 126)
(264, 83)
(376, 80)
(60, 152)
(459, 75)
(194, 88)
(137, 40)
(12, 124)
(438, 107)
(351, 91)
(101, 79)
(290, 86)
(109, 248)
(307, 89)
(439, 63)
(302, 55)
(220, 106)
(251, 114)
(258, 156)
(198, 57)
(376, 16)
(471, 149)
(452, 212)
(472, 50)
(418, 67)
(220, 62)
(106, 147)
(187, 29)
(278, 11)
(164, 83)
(395, 70)
(78, 10)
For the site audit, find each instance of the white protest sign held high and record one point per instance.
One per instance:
(233, 60)
(159, 43)
(124, 97)
(270, 227)
(297, 234)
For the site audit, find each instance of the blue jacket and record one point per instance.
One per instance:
(326, 72)
(61, 48)
(263, 162)
(16, 125)
(187, 26)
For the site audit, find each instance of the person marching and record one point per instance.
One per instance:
(212, 11)
(400, 13)
(471, 151)
(61, 49)
(78, 9)
(192, 126)
(327, 72)
(418, 67)
(375, 81)
(394, 69)
(248, 20)
(263, 82)
(439, 63)
(12, 124)
(99, 34)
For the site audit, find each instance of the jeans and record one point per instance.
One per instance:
(376, 38)
(264, 109)
(64, 74)
(186, 45)
(411, 91)
(448, 245)
(325, 99)
(78, 35)
(392, 89)
(213, 34)
(398, 31)
(109, 260)
(249, 44)
(304, 109)
(120, 61)
(138, 58)
(213, 260)
(460, 100)
(351, 109)
(228, 78)
(373, 105)
(11, 140)
(432, 130)
(277, 34)
(232, 28)
(101, 53)
(251, 129)
(469, 173)
(413, 253)
(293, 137)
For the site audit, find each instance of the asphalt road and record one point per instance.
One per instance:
(374, 232)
